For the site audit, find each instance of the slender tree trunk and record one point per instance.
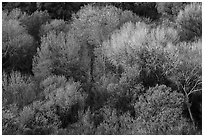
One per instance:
(189, 111)
(91, 66)
(92, 60)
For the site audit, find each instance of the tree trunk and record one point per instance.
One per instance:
(92, 60)
(189, 111)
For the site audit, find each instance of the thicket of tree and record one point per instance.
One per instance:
(102, 68)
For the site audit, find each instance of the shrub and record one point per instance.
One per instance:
(62, 92)
(54, 25)
(187, 75)
(9, 123)
(114, 124)
(59, 55)
(144, 54)
(84, 126)
(159, 111)
(28, 7)
(189, 21)
(38, 118)
(170, 9)
(33, 23)
(119, 51)
(15, 14)
(142, 57)
(17, 45)
(66, 96)
(92, 25)
(18, 89)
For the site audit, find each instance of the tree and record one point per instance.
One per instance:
(92, 25)
(17, 44)
(54, 25)
(60, 10)
(14, 92)
(187, 74)
(28, 7)
(159, 111)
(189, 22)
(170, 9)
(147, 53)
(58, 55)
(33, 23)
(142, 9)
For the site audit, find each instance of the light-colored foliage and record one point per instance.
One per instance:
(159, 111)
(17, 44)
(142, 52)
(54, 25)
(57, 55)
(190, 22)
(18, 89)
(63, 93)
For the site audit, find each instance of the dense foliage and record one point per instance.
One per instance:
(101, 68)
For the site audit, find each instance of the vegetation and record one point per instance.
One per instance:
(101, 68)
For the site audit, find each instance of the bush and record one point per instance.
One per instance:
(17, 44)
(159, 111)
(15, 14)
(187, 74)
(39, 118)
(114, 124)
(59, 55)
(84, 126)
(120, 52)
(28, 7)
(92, 25)
(54, 25)
(9, 124)
(170, 9)
(146, 54)
(189, 21)
(33, 23)
(18, 89)
(66, 96)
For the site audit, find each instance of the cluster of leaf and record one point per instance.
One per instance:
(17, 44)
(57, 10)
(20, 36)
(23, 114)
(107, 71)
(189, 21)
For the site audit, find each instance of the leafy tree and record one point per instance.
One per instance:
(159, 111)
(33, 23)
(17, 44)
(106, 71)
(92, 25)
(170, 9)
(9, 124)
(14, 92)
(188, 74)
(114, 124)
(60, 10)
(59, 55)
(66, 96)
(145, 53)
(84, 126)
(28, 7)
(15, 14)
(142, 9)
(189, 21)
(39, 118)
(54, 25)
